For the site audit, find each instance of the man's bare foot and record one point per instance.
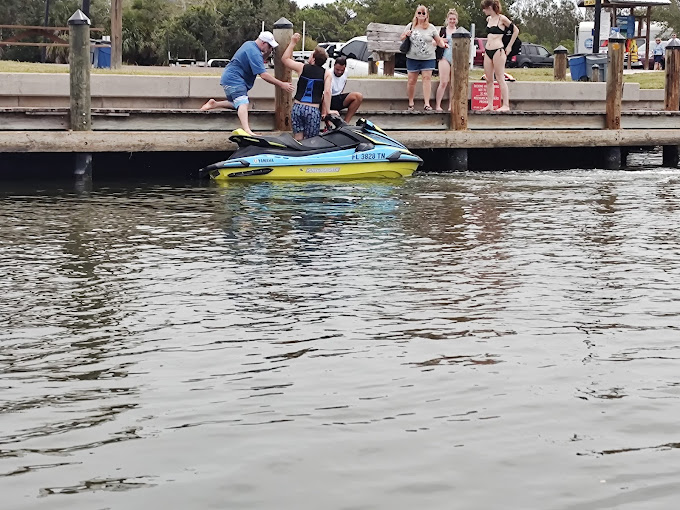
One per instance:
(210, 105)
(504, 109)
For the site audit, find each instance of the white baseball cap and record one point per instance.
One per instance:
(268, 37)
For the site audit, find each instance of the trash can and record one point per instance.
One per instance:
(599, 59)
(104, 56)
(100, 55)
(577, 67)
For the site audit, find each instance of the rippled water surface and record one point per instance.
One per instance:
(462, 341)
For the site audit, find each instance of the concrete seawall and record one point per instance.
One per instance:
(134, 91)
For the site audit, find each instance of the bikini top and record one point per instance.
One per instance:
(495, 30)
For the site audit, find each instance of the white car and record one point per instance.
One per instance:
(332, 47)
(358, 56)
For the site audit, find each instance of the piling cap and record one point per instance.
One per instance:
(561, 49)
(283, 23)
(460, 32)
(79, 18)
(673, 44)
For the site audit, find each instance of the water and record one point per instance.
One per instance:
(464, 341)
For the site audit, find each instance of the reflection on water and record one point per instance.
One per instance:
(489, 339)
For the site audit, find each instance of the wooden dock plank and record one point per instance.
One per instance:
(118, 119)
(169, 141)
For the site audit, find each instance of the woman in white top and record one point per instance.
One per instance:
(421, 56)
(446, 61)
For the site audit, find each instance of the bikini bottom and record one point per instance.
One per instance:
(491, 53)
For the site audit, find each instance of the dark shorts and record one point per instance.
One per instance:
(337, 102)
(306, 119)
(658, 58)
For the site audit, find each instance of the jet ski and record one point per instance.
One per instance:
(343, 152)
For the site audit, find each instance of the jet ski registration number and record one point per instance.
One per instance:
(368, 155)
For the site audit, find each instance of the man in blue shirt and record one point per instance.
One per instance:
(239, 76)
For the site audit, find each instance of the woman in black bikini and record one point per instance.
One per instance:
(495, 53)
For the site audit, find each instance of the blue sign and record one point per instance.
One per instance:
(626, 25)
(589, 43)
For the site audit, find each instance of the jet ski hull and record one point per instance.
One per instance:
(372, 165)
(362, 152)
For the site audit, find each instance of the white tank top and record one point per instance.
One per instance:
(338, 84)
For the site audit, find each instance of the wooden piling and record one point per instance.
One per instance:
(283, 101)
(116, 34)
(672, 88)
(595, 73)
(460, 76)
(79, 72)
(615, 55)
(560, 64)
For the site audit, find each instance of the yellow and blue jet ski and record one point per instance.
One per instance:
(345, 152)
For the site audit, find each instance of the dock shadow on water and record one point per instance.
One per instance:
(496, 340)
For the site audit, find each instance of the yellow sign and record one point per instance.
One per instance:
(587, 3)
(633, 51)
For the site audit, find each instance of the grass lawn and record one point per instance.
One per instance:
(646, 79)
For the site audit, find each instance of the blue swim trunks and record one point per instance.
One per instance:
(237, 94)
(306, 119)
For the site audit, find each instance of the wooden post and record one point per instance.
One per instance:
(79, 71)
(388, 63)
(595, 73)
(617, 46)
(460, 76)
(372, 66)
(647, 36)
(560, 65)
(116, 34)
(672, 88)
(672, 96)
(283, 101)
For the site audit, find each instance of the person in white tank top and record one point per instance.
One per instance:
(339, 100)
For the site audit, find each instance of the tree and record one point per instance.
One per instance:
(549, 22)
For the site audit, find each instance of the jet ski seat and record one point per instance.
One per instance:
(316, 142)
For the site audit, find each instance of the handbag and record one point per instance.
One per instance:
(405, 45)
(439, 52)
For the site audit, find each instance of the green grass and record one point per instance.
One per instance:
(647, 80)
(9, 66)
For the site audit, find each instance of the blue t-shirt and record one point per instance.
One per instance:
(244, 67)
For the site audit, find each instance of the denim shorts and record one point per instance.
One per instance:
(306, 119)
(415, 66)
(236, 94)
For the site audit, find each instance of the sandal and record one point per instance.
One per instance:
(411, 107)
(427, 108)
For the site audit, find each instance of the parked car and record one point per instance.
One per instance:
(358, 57)
(218, 62)
(332, 47)
(478, 59)
(532, 55)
